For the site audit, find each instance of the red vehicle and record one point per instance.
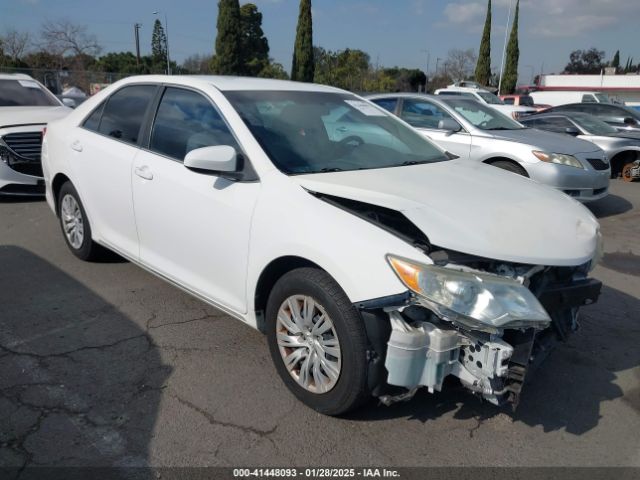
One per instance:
(522, 100)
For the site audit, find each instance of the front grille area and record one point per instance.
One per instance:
(598, 163)
(25, 152)
(16, 189)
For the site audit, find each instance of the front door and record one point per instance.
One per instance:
(193, 227)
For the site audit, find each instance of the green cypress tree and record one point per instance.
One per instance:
(510, 78)
(483, 67)
(159, 46)
(302, 68)
(228, 58)
(254, 45)
(616, 60)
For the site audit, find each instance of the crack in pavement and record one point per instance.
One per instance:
(182, 322)
(213, 421)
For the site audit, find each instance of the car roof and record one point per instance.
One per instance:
(232, 83)
(15, 76)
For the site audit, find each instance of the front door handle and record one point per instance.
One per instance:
(143, 172)
(77, 146)
(341, 129)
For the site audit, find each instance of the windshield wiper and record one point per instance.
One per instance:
(415, 162)
(502, 128)
(334, 169)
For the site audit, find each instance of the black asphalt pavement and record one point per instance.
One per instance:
(102, 364)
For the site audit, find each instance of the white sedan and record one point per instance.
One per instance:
(373, 263)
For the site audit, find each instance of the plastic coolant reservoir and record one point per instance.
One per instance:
(420, 355)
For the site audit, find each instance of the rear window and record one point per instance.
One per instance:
(25, 93)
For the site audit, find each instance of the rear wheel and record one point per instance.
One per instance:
(76, 229)
(317, 341)
(511, 167)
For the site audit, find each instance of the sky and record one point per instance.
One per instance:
(406, 33)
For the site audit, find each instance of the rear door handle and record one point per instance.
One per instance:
(143, 172)
(77, 146)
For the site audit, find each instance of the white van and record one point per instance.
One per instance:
(563, 97)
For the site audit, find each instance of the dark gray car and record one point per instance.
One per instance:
(620, 117)
(621, 148)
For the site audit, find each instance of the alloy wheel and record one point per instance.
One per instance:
(72, 222)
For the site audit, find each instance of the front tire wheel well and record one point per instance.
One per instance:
(268, 278)
(507, 164)
(58, 181)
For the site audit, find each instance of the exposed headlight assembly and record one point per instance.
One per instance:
(477, 301)
(558, 158)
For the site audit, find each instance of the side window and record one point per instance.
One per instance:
(124, 112)
(389, 104)
(509, 100)
(555, 124)
(588, 98)
(422, 114)
(93, 121)
(185, 121)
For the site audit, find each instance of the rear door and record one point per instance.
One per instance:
(193, 226)
(426, 116)
(102, 151)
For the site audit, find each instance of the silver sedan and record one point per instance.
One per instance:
(471, 130)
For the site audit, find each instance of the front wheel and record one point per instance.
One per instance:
(317, 341)
(75, 225)
(510, 167)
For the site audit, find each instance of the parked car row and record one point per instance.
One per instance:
(375, 260)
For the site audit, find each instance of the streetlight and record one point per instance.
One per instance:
(166, 36)
(504, 50)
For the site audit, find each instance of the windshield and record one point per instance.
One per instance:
(312, 132)
(593, 125)
(25, 93)
(490, 98)
(602, 98)
(481, 116)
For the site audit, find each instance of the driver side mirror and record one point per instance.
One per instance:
(450, 125)
(572, 131)
(216, 159)
(69, 102)
(629, 121)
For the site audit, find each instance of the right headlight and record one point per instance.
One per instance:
(558, 158)
(474, 300)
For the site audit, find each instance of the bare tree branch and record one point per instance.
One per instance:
(62, 37)
(15, 44)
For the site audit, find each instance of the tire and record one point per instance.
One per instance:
(335, 396)
(81, 245)
(510, 167)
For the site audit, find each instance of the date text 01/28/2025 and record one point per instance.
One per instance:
(315, 472)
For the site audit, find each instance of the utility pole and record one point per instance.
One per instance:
(437, 63)
(136, 33)
(504, 50)
(428, 52)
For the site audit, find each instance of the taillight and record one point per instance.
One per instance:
(44, 132)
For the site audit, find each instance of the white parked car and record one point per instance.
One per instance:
(563, 97)
(374, 265)
(488, 98)
(26, 106)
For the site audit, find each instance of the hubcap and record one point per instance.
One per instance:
(308, 344)
(72, 222)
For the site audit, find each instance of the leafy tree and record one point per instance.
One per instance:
(615, 63)
(254, 45)
(302, 68)
(197, 64)
(273, 70)
(585, 61)
(228, 58)
(510, 77)
(159, 45)
(483, 67)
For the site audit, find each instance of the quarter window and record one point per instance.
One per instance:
(185, 121)
(93, 121)
(124, 112)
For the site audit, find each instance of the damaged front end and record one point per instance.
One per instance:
(483, 321)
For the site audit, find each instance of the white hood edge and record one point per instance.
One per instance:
(474, 209)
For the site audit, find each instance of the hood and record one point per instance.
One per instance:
(547, 141)
(611, 143)
(10, 116)
(475, 209)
